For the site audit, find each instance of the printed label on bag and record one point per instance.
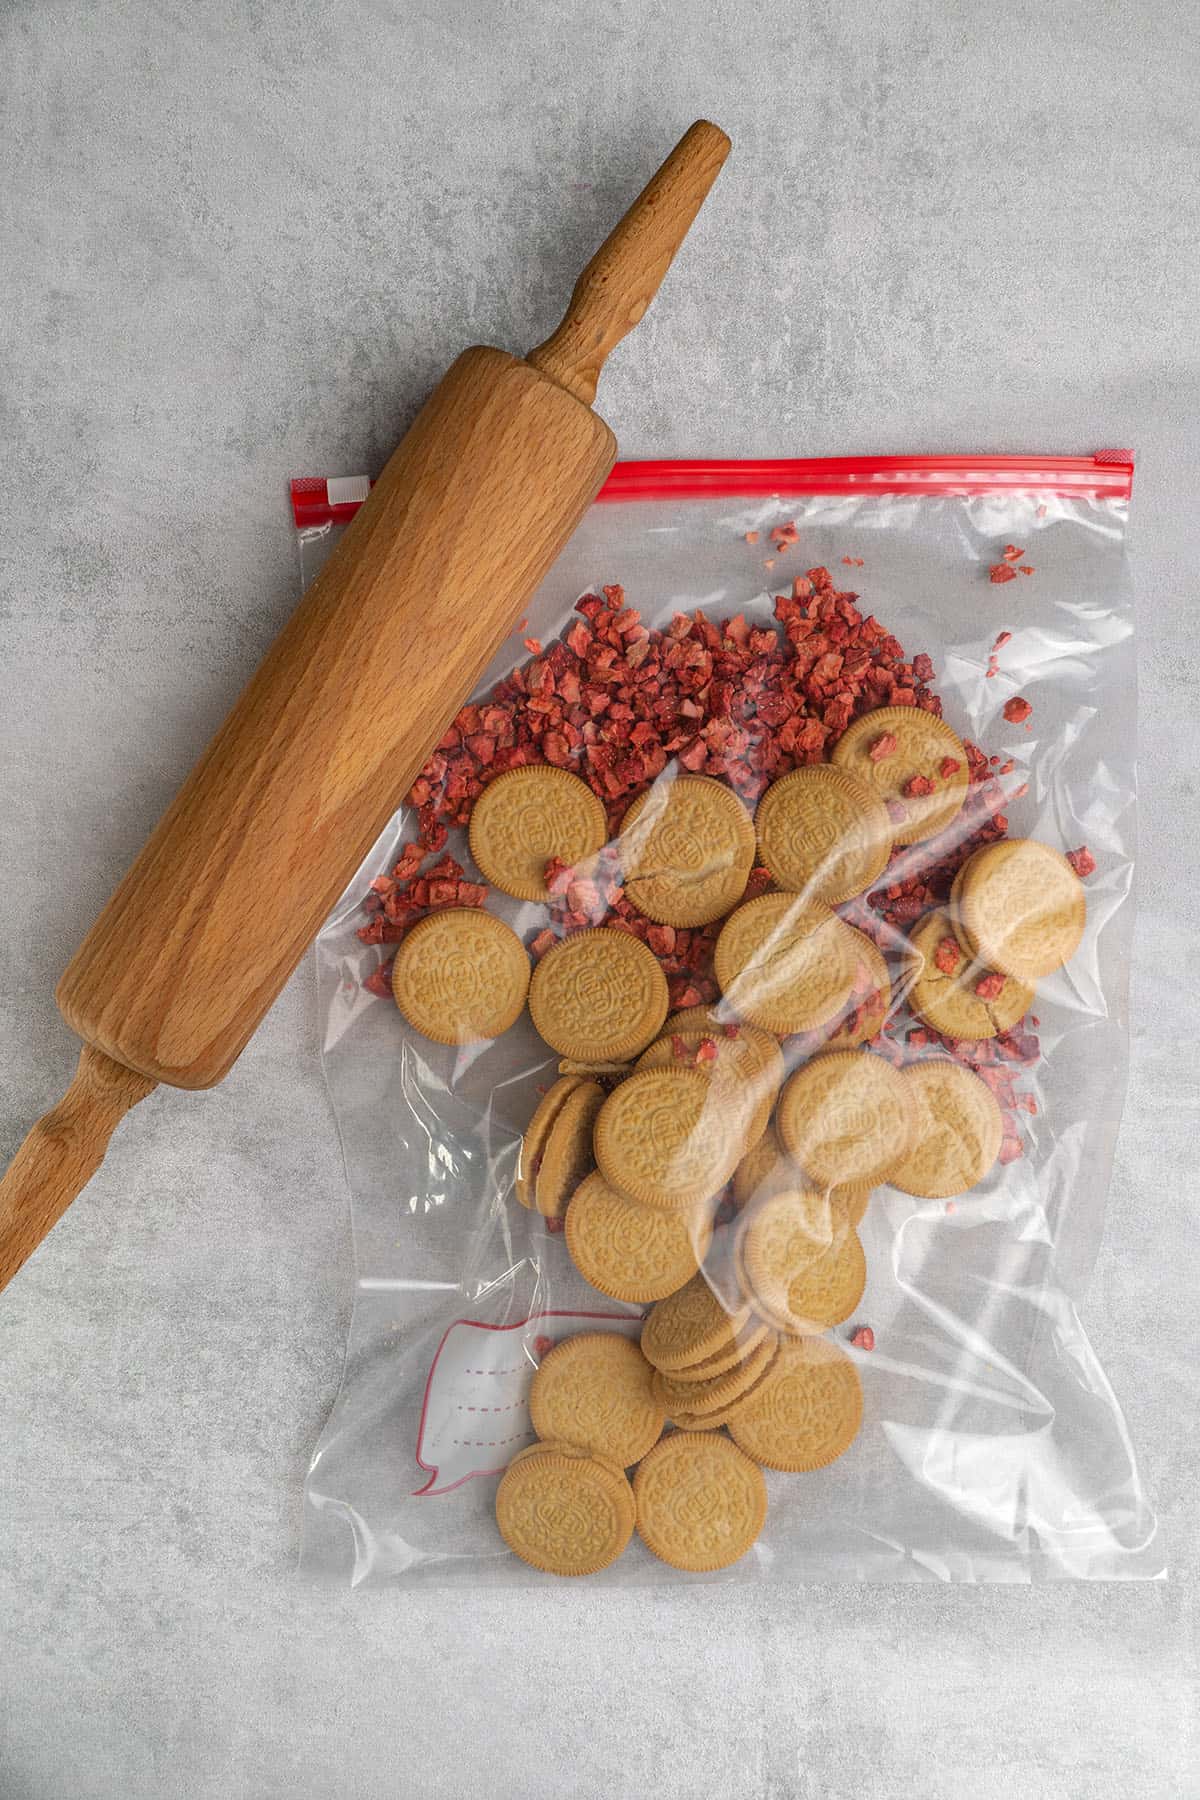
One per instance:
(476, 1411)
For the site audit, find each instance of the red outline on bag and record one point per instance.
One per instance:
(1106, 475)
(429, 1490)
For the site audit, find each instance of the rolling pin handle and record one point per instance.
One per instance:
(625, 274)
(62, 1152)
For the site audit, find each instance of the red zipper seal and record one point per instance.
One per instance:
(1108, 475)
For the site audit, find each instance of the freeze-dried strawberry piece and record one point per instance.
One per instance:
(557, 875)
(380, 982)
(884, 745)
(990, 986)
(947, 955)
(1017, 710)
(1082, 861)
(1001, 572)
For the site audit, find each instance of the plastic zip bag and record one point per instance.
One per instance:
(991, 1447)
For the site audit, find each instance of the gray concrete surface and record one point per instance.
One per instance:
(239, 241)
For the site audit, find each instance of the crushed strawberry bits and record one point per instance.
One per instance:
(616, 701)
(398, 900)
(1009, 566)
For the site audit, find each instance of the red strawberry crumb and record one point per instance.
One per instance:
(1010, 553)
(752, 537)
(1027, 569)
(951, 1206)
(1082, 861)
(1001, 572)
(380, 982)
(990, 986)
(1017, 710)
(863, 1338)
(885, 745)
(533, 646)
(947, 955)
(948, 766)
(1002, 638)
(706, 1050)
(917, 787)
(554, 1226)
(542, 1346)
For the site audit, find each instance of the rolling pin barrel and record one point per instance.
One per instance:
(433, 573)
(326, 739)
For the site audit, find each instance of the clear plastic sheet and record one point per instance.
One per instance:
(992, 1447)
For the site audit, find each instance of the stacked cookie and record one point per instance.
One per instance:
(698, 1500)
(1017, 914)
(663, 1136)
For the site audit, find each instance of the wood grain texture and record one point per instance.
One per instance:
(625, 274)
(62, 1153)
(320, 749)
(469, 514)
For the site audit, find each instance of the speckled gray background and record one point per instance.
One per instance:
(239, 241)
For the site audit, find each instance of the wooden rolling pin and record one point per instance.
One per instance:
(469, 514)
